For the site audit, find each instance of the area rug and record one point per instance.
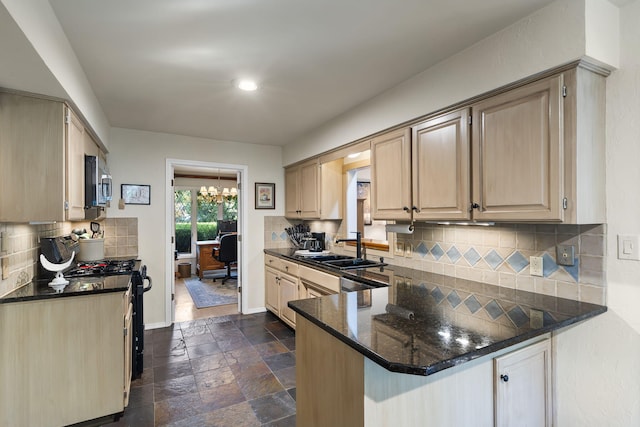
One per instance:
(208, 293)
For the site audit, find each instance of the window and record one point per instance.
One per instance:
(189, 204)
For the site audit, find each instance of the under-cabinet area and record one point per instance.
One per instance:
(68, 356)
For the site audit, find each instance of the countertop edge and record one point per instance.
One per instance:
(447, 363)
(6, 300)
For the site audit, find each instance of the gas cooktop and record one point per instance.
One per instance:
(106, 267)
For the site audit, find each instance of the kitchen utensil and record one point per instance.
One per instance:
(95, 228)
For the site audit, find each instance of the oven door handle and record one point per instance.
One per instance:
(148, 288)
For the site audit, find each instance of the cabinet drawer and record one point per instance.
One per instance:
(319, 278)
(281, 264)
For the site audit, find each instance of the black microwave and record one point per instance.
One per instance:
(97, 186)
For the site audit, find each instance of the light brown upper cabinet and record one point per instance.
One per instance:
(424, 177)
(391, 175)
(538, 151)
(440, 167)
(41, 160)
(517, 154)
(532, 153)
(313, 190)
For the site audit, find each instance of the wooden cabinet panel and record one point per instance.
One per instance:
(32, 159)
(441, 167)
(75, 144)
(314, 190)
(48, 140)
(128, 351)
(391, 175)
(517, 152)
(292, 192)
(288, 292)
(523, 387)
(66, 361)
(272, 291)
(310, 190)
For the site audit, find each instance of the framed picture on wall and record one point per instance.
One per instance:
(135, 194)
(265, 195)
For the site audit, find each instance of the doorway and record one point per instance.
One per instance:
(195, 214)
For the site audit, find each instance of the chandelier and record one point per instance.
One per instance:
(216, 193)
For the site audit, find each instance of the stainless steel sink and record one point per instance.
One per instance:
(351, 263)
(332, 257)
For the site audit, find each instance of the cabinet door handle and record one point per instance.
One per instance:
(406, 209)
(415, 208)
(474, 206)
(504, 377)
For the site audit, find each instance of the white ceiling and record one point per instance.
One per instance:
(167, 65)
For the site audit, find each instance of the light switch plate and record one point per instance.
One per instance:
(565, 255)
(629, 246)
(535, 266)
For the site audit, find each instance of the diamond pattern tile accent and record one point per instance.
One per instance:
(472, 304)
(518, 316)
(454, 299)
(274, 236)
(573, 270)
(472, 256)
(494, 309)
(422, 249)
(437, 294)
(283, 236)
(493, 259)
(549, 266)
(454, 254)
(517, 261)
(437, 251)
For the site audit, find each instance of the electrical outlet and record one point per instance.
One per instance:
(408, 250)
(5, 269)
(535, 266)
(536, 318)
(565, 254)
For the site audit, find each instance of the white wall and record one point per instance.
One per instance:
(39, 24)
(598, 362)
(138, 157)
(549, 37)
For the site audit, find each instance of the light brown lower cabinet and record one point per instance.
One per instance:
(288, 281)
(336, 385)
(64, 360)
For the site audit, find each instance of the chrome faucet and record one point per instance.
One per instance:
(358, 241)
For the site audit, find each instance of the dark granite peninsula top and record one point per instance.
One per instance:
(40, 289)
(423, 323)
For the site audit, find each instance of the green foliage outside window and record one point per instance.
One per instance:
(207, 213)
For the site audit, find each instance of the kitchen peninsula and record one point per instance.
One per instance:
(428, 349)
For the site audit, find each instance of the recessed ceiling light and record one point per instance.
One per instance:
(353, 155)
(248, 85)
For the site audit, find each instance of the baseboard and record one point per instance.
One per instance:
(255, 310)
(159, 325)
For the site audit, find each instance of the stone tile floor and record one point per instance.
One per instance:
(234, 370)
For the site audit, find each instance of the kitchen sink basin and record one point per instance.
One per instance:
(351, 263)
(333, 257)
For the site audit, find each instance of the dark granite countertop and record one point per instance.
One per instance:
(423, 322)
(40, 289)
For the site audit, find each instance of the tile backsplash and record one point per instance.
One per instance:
(20, 246)
(498, 255)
